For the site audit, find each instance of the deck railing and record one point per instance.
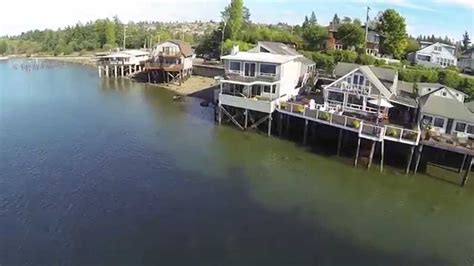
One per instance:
(365, 129)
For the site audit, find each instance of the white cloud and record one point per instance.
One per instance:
(464, 3)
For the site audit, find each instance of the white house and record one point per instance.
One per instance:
(258, 79)
(368, 91)
(434, 55)
(122, 63)
(443, 110)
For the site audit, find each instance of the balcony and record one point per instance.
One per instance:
(260, 104)
(365, 129)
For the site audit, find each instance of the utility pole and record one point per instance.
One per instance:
(222, 41)
(124, 35)
(366, 27)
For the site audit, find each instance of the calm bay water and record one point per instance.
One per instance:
(109, 172)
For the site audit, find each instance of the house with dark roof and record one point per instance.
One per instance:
(171, 60)
(443, 111)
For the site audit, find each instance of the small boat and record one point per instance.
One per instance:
(3, 58)
(177, 98)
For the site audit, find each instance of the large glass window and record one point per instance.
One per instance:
(460, 127)
(267, 70)
(438, 122)
(470, 129)
(234, 66)
(266, 88)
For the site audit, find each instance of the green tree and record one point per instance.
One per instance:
(313, 35)
(350, 35)
(412, 46)
(391, 25)
(3, 47)
(110, 37)
(234, 16)
(465, 41)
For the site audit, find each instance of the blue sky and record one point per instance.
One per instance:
(439, 17)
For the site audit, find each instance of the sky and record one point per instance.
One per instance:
(439, 17)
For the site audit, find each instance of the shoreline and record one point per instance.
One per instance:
(83, 60)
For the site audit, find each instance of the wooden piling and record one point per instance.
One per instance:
(412, 151)
(280, 125)
(339, 142)
(121, 70)
(269, 125)
(418, 158)
(464, 159)
(305, 133)
(220, 115)
(382, 155)
(246, 118)
(287, 125)
(357, 152)
(468, 172)
(371, 156)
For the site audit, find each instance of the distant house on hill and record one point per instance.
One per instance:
(434, 55)
(372, 45)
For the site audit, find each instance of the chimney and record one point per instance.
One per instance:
(234, 50)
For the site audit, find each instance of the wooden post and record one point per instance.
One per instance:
(107, 71)
(371, 156)
(382, 151)
(412, 151)
(100, 71)
(287, 125)
(269, 125)
(339, 142)
(305, 133)
(468, 172)
(464, 159)
(115, 71)
(149, 81)
(357, 152)
(280, 125)
(246, 118)
(220, 115)
(418, 158)
(121, 70)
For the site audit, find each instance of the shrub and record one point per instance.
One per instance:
(356, 123)
(365, 59)
(323, 61)
(346, 56)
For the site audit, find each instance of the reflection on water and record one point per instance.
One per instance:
(97, 171)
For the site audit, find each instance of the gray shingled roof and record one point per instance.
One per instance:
(446, 107)
(305, 61)
(382, 73)
(470, 106)
(278, 48)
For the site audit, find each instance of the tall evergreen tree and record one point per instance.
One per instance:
(234, 16)
(465, 41)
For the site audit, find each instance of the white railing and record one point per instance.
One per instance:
(359, 89)
(364, 129)
(402, 134)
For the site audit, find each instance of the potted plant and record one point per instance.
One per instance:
(284, 105)
(300, 109)
(428, 132)
(324, 116)
(356, 123)
(392, 132)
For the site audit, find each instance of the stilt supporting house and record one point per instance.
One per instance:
(418, 158)
(305, 132)
(339, 142)
(382, 155)
(464, 159)
(371, 155)
(410, 159)
(357, 152)
(468, 172)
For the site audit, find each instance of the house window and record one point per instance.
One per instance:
(460, 127)
(267, 70)
(438, 48)
(444, 93)
(439, 122)
(234, 67)
(266, 88)
(338, 47)
(359, 80)
(470, 129)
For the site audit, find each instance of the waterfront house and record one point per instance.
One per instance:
(259, 79)
(371, 92)
(442, 111)
(122, 63)
(434, 55)
(470, 106)
(171, 61)
(466, 61)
